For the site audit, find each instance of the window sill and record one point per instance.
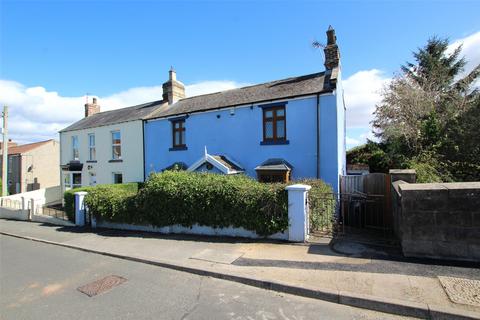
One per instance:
(91, 161)
(178, 148)
(271, 143)
(115, 160)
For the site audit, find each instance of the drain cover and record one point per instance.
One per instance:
(93, 288)
(464, 291)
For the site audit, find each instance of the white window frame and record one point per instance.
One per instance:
(113, 177)
(92, 150)
(75, 149)
(70, 185)
(116, 145)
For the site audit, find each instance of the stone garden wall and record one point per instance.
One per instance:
(438, 220)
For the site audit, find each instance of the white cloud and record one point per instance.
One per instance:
(351, 142)
(362, 93)
(471, 51)
(38, 114)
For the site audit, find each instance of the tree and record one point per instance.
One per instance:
(429, 112)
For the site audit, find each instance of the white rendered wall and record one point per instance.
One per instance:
(131, 166)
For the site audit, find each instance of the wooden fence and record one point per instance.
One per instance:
(375, 190)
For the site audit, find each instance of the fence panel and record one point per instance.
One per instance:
(352, 184)
(51, 211)
(366, 201)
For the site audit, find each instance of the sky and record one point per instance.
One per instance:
(54, 53)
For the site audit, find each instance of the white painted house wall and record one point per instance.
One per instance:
(131, 165)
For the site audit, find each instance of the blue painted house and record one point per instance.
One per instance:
(281, 130)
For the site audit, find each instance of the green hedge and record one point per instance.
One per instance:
(69, 201)
(69, 197)
(186, 198)
(218, 201)
(113, 202)
(322, 204)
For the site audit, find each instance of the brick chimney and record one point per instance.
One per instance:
(332, 54)
(92, 108)
(173, 90)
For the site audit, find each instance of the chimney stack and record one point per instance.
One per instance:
(332, 54)
(173, 90)
(91, 108)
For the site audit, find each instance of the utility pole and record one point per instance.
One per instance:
(5, 152)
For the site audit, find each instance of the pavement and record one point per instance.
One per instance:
(37, 282)
(348, 273)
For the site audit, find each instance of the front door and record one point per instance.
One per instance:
(93, 179)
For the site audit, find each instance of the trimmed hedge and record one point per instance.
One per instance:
(218, 201)
(186, 198)
(69, 197)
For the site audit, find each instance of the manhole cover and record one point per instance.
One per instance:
(93, 288)
(464, 291)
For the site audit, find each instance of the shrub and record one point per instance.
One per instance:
(219, 201)
(69, 197)
(322, 204)
(69, 201)
(113, 202)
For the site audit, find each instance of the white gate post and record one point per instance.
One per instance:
(80, 208)
(24, 204)
(31, 212)
(298, 212)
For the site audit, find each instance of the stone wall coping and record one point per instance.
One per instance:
(422, 186)
(402, 171)
(440, 186)
(396, 185)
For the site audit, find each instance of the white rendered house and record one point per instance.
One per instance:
(104, 147)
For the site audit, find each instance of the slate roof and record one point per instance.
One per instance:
(290, 87)
(115, 116)
(265, 92)
(228, 163)
(275, 164)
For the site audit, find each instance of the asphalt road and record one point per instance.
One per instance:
(40, 281)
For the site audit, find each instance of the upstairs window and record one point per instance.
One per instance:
(91, 147)
(116, 145)
(75, 153)
(178, 133)
(274, 125)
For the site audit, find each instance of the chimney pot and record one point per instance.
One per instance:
(173, 90)
(91, 108)
(332, 54)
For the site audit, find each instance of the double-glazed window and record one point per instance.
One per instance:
(178, 133)
(274, 124)
(91, 147)
(116, 145)
(75, 152)
(72, 180)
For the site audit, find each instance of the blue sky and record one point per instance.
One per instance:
(53, 53)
